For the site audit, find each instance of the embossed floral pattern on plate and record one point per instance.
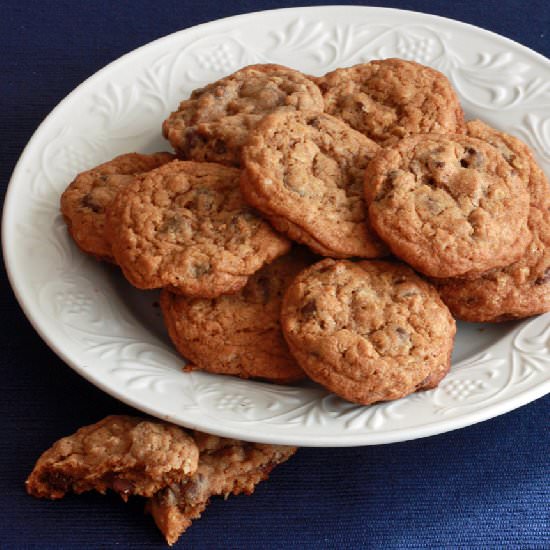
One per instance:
(112, 335)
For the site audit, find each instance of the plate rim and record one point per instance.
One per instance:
(345, 439)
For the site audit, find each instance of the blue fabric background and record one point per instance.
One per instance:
(483, 486)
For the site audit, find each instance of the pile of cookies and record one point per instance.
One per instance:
(175, 470)
(368, 162)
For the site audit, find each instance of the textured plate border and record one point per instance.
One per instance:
(82, 311)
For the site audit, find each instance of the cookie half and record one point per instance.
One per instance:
(304, 172)
(450, 206)
(368, 331)
(239, 333)
(226, 466)
(186, 226)
(85, 200)
(389, 99)
(213, 124)
(521, 289)
(129, 455)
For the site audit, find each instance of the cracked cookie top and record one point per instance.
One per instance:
(368, 331)
(213, 124)
(448, 205)
(304, 171)
(522, 288)
(389, 99)
(239, 333)
(84, 201)
(186, 226)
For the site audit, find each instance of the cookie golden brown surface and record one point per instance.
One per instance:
(213, 124)
(304, 172)
(186, 226)
(522, 288)
(239, 333)
(85, 200)
(368, 331)
(450, 206)
(389, 99)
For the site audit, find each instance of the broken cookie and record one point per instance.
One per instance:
(134, 456)
(128, 455)
(226, 466)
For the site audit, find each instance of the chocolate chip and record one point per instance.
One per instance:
(403, 334)
(439, 164)
(387, 185)
(315, 122)
(476, 159)
(88, 202)
(324, 87)
(122, 486)
(197, 93)
(57, 480)
(170, 225)
(309, 309)
(196, 488)
(544, 279)
(192, 140)
(430, 181)
(507, 154)
(200, 269)
(219, 147)
(263, 283)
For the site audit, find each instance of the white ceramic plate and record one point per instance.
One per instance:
(112, 334)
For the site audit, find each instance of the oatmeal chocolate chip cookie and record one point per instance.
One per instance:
(131, 456)
(368, 331)
(226, 466)
(240, 333)
(448, 205)
(186, 226)
(392, 98)
(214, 123)
(522, 288)
(84, 201)
(304, 172)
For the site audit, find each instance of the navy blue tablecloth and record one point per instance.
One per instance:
(482, 486)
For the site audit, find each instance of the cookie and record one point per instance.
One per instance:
(521, 289)
(226, 466)
(389, 99)
(186, 226)
(368, 331)
(450, 206)
(213, 124)
(128, 455)
(304, 172)
(240, 333)
(84, 201)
